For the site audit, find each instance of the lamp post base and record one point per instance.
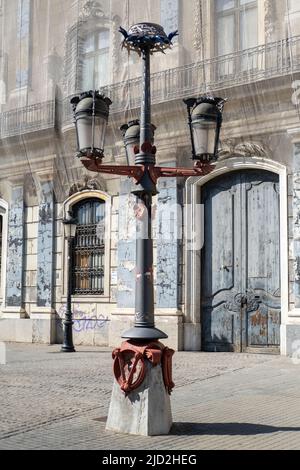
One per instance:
(68, 349)
(144, 333)
(145, 411)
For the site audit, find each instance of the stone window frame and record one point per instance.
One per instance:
(4, 208)
(73, 64)
(67, 206)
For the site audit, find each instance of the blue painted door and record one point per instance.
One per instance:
(240, 278)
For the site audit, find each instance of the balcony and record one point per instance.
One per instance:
(32, 118)
(252, 65)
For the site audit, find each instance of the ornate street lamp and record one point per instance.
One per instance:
(69, 231)
(142, 346)
(205, 121)
(91, 110)
(131, 137)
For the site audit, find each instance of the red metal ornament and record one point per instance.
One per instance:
(138, 171)
(129, 365)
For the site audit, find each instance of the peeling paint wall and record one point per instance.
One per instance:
(30, 256)
(15, 246)
(45, 246)
(169, 223)
(126, 246)
(296, 224)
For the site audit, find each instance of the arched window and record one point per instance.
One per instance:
(89, 247)
(95, 58)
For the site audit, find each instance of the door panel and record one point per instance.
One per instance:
(262, 253)
(240, 286)
(220, 266)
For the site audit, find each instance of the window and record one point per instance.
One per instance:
(96, 60)
(237, 30)
(89, 248)
(169, 13)
(23, 36)
(237, 25)
(293, 5)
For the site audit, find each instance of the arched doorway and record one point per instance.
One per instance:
(240, 263)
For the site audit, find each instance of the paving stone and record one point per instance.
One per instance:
(221, 401)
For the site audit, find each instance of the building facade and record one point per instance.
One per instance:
(240, 290)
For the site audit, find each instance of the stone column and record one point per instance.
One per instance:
(43, 314)
(168, 255)
(14, 304)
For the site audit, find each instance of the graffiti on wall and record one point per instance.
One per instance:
(84, 320)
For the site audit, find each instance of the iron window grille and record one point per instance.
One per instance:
(89, 248)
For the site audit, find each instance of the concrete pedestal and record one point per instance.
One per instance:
(145, 411)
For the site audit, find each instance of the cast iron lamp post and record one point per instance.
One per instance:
(91, 110)
(70, 232)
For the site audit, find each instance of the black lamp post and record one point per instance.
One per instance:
(70, 232)
(91, 111)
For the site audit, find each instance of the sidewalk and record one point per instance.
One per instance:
(51, 400)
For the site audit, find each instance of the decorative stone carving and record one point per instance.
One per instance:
(92, 9)
(245, 149)
(199, 31)
(198, 43)
(269, 19)
(246, 299)
(115, 54)
(87, 184)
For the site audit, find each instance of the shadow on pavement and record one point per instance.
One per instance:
(77, 352)
(226, 429)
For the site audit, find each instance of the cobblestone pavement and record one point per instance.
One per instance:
(51, 400)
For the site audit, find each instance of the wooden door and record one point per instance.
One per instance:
(240, 279)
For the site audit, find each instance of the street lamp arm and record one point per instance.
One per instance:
(168, 172)
(135, 172)
(155, 172)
